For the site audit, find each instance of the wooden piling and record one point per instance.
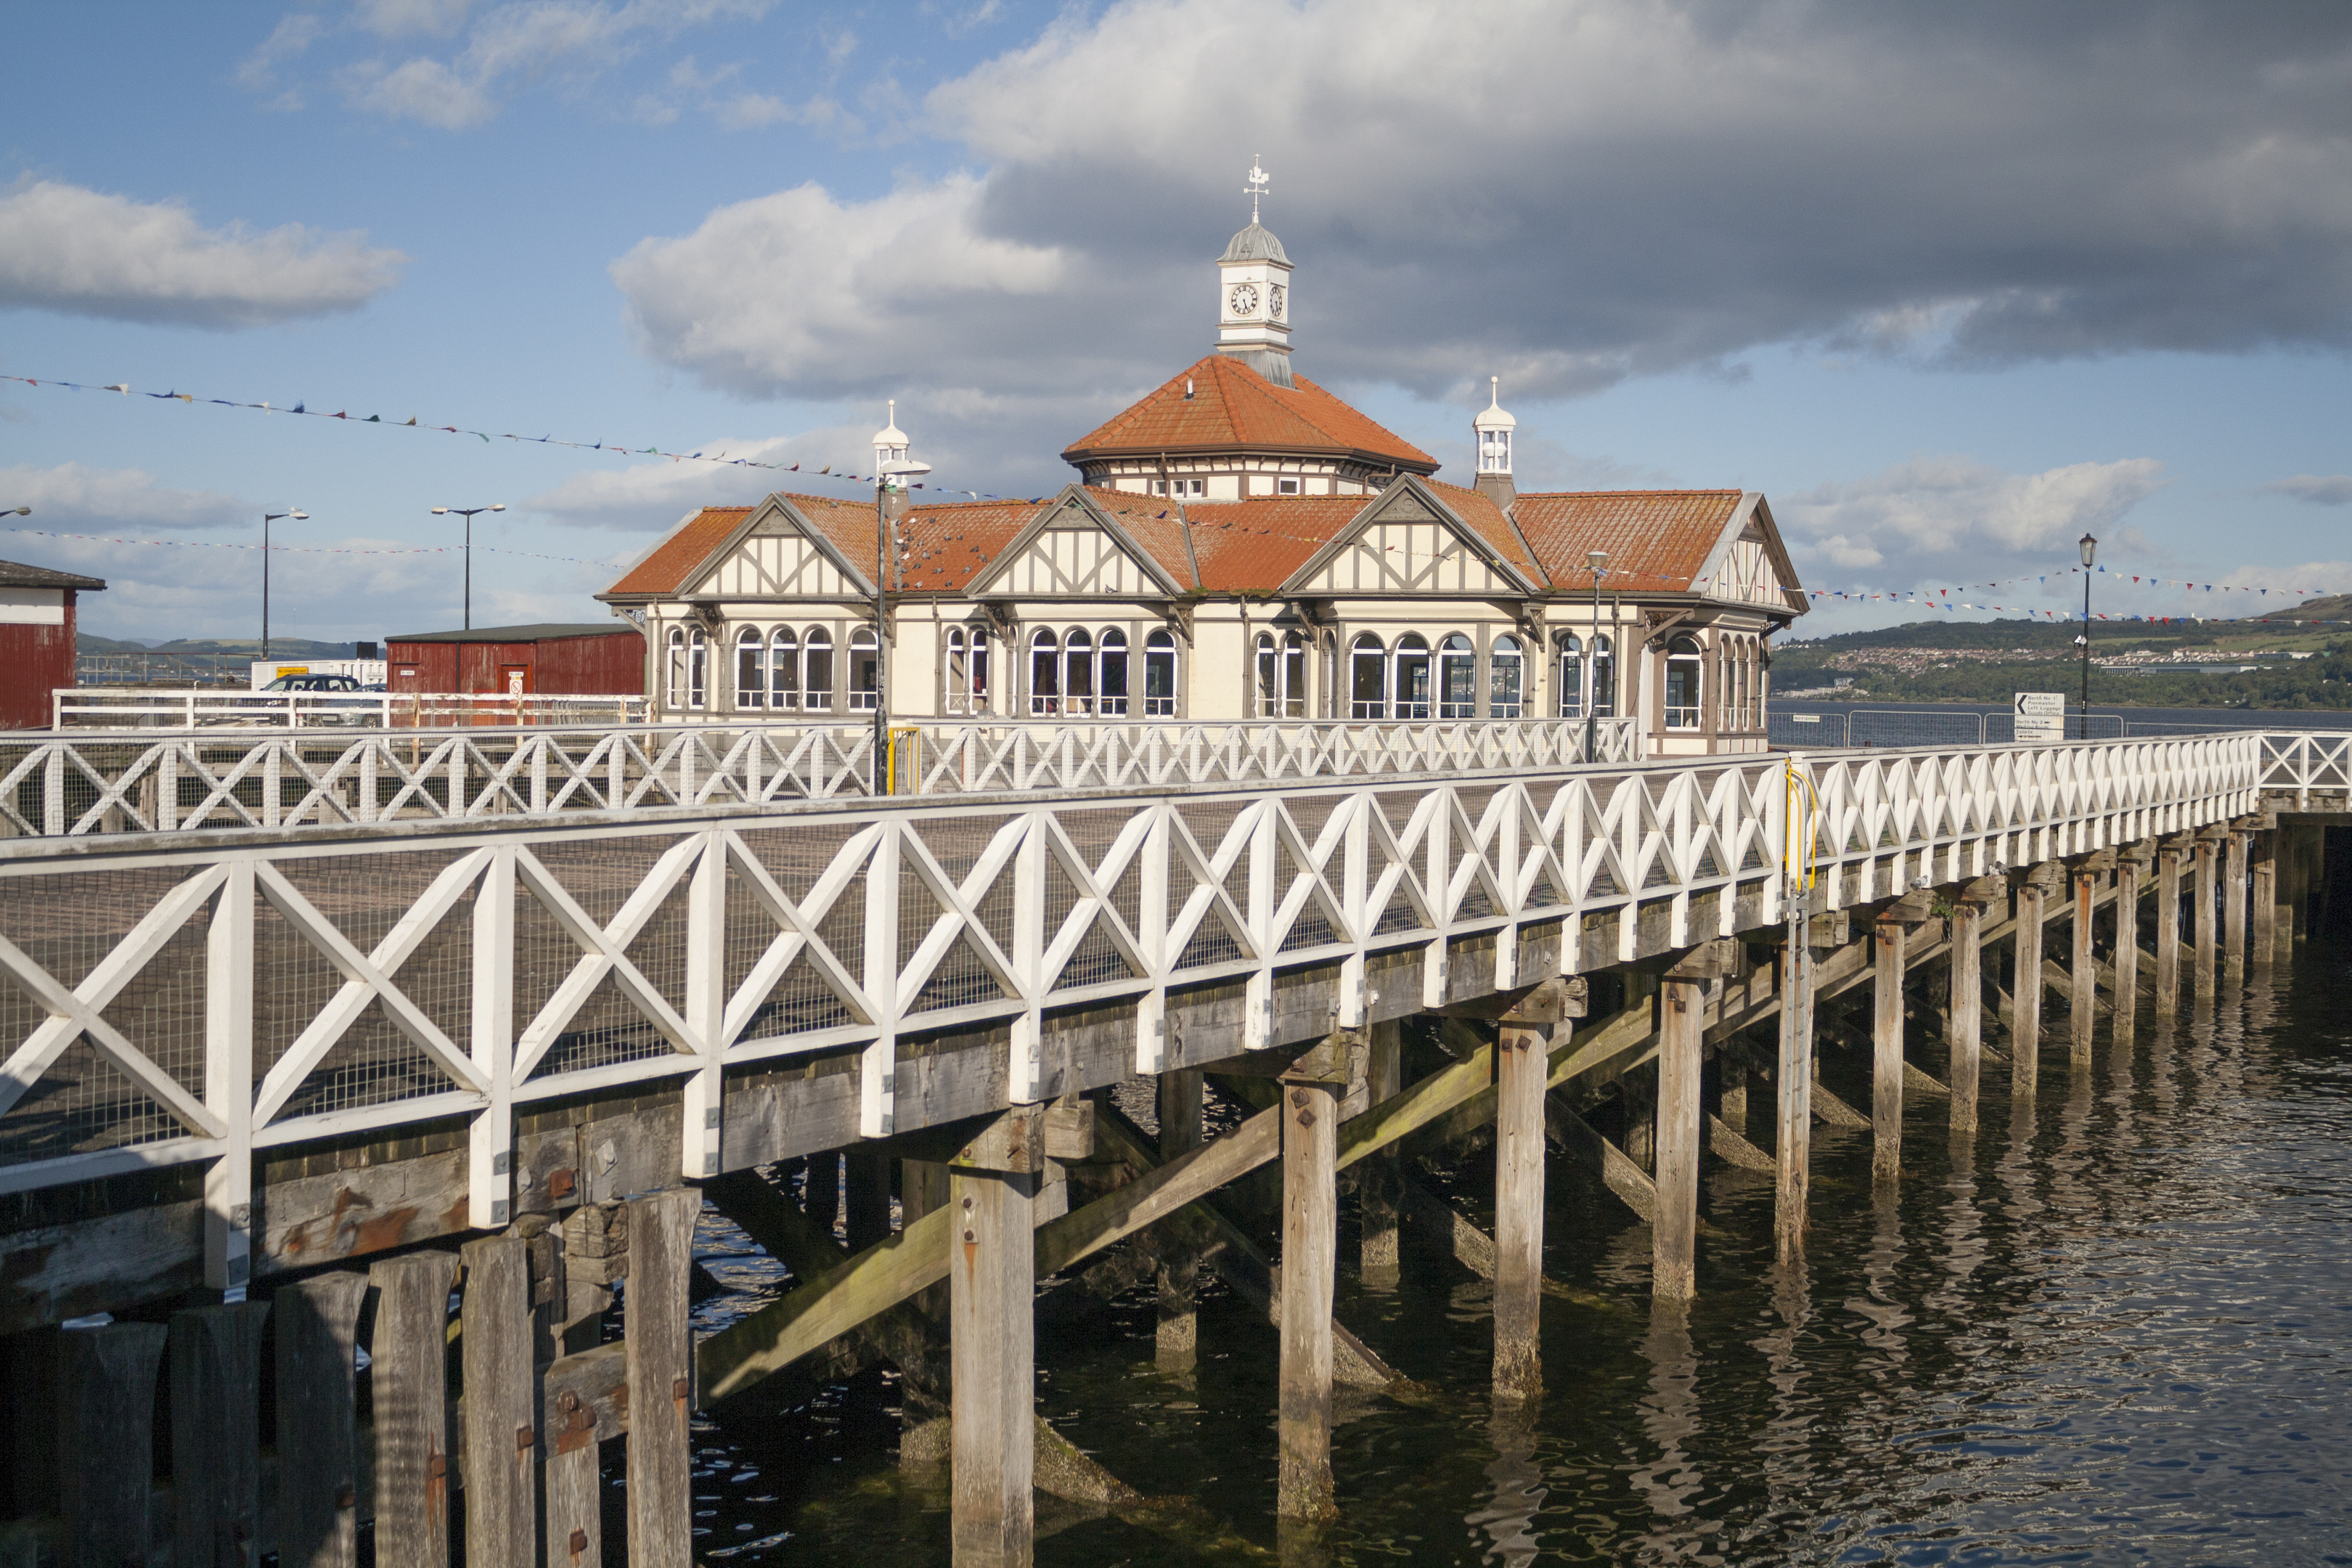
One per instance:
(2233, 893)
(1886, 1053)
(2083, 1011)
(1682, 1025)
(868, 1215)
(105, 1441)
(316, 1324)
(1381, 1183)
(922, 1189)
(215, 1364)
(1793, 1095)
(407, 1356)
(660, 1377)
(992, 1192)
(2203, 896)
(2025, 992)
(2167, 929)
(2265, 897)
(1310, 1133)
(501, 1429)
(1968, 1011)
(2129, 869)
(1521, 1069)
(1178, 1341)
(571, 1480)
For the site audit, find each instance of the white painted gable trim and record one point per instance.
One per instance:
(1073, 498)
(774, 508)
(1373, 513)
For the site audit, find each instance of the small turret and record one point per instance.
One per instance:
(1492, 433)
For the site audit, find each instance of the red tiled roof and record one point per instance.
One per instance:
(675, 557)
(1233, 406)
(1656, 540)
(1478, 509)
(948, 543)
(1255, 545)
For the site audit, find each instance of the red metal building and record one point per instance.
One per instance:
(602, 660)
(36, 639)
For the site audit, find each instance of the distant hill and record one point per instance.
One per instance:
(2334, 607)
(227, 647)
(2055, 635)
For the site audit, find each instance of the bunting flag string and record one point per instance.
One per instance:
(309, 549)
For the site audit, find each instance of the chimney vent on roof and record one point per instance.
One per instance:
(1187, 389)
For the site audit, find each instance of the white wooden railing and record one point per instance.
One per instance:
(168, 1001)
(207, 708)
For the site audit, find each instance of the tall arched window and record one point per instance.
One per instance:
(1604, 677)
(1411, 685)
(1111, 688)
(1159, 675)
(1077, 672)
(1368, 674)
(784, 672)
(967, 669)
(864, 671)
(1568, 660)
(1045, 672)
(1683, 696)
(1266, 704)
(697, 667)
(816, 682)
(1281, 676)
(1294, 675)
(677, 666)
(1506, 678)
(751, 668)
(1457, 679)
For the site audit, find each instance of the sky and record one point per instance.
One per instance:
(1952, 286)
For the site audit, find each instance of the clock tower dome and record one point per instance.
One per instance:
(1253, 295)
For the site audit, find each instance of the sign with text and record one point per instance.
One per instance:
(2041, 716)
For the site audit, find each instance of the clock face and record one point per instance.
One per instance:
(1244, 299)
(1273, 302)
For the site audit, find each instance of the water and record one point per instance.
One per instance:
(2115, 1326)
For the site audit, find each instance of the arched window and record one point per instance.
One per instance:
(1045, 673)
(1281, 676)
(1411, 685)
(967, 669)
(784, 672)
(1604, 677)
(816, 682)
(1506, 675)
(751, 668)
(697, 667)
(1159, 675)
(864, 671)
(1077, 672)
(1457, 679)
(677, 666)
(1367, 672)
(1266, 704)
(1112, 686)
(1683, 696)
(1294, 675)
(1568, 659)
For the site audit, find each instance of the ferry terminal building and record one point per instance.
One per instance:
(1239, 545)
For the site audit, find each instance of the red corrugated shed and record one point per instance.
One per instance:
(36, 639)
(549, 660)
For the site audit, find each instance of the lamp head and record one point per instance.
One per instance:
(2089, 547)
(20, 511)
(440, 512)
(1598, 560)
(499, 507)
(299, 515)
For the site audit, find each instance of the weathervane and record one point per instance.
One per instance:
(1258, 181)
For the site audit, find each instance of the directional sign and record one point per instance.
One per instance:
(2041, 716)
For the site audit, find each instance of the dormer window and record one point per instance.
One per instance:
(1285, 487)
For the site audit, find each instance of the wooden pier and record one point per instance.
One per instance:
(349, 1175)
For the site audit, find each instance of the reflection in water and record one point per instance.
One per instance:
(1670, 1419)
(1508, 1519)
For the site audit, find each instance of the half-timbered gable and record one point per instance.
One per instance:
(1074, 549)
(1750, 565)
(777, 555)
(1407, 541)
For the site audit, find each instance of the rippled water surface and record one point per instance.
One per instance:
(2114, 1327)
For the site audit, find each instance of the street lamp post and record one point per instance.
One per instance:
(467, 513)
(266, 519)
(1599, 561)
(901, 469)
(2089, 547)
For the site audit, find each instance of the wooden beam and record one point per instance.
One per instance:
(1887, 1052)
(501, 1451)
(1674, 1230)
(316, 1321)
(2025, 1016)
(1734, 1150)
(1966, 1025)
(1614, 1167)
(215, 1358)
(408, 1352)
(1177, 1338)
(2083, 1017)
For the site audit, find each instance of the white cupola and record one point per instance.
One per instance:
(1254, 294)
(889, 444)
(1491, 433)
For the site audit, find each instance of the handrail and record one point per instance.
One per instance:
(206, 707)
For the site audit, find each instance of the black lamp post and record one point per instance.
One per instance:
(467, 513)
(299, 515)
(2090, 548)
(893, 475)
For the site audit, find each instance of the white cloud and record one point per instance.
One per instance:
(1943, 522)
(654, 495)
(257, 72)
(2318, 490)
(85, 253)
(72, 498)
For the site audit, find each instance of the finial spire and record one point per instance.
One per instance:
(1494, 396)
(1258, 182)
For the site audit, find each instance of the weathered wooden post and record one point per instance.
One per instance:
(1311, 1199)
(2168, 926)
(316, 1324)
(215, 1356)
(1522, 1064)
(867, 1168)
(1381, 1182)
(660, 1377)
(1793, 1093)
(1890, 937)
(501, 1424)
(2265, 896)
(991, 1276)
(106, 1440)
(2131, 867)
(2234, 891)
(2203, 894)
(2083, 972)
(2025, 999)
(1968, 996)
(1681, 1014)
(408, 1354)
(1178, 1341)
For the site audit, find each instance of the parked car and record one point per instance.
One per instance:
(315, 701)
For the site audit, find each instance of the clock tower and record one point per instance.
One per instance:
(1253, 295)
